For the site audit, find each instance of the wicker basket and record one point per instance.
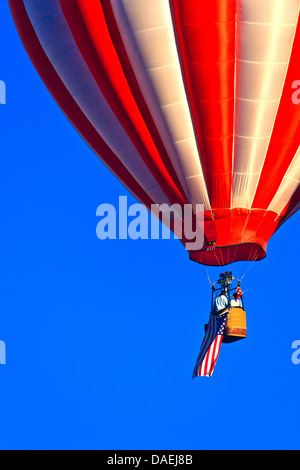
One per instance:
(236, 327)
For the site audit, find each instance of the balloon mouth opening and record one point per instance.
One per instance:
(223, 255)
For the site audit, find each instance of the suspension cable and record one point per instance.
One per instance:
(208, 276)
(277, 259)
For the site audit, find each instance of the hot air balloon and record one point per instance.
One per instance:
(187, 102)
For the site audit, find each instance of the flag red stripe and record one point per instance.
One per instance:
(203, 349)
(205, 363)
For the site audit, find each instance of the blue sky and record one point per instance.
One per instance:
(102, 336)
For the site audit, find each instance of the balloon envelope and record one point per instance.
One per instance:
(187, 102)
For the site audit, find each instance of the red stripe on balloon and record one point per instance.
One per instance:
(292, 206)
(206, 42)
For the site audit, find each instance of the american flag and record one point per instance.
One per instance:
(211, 345)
